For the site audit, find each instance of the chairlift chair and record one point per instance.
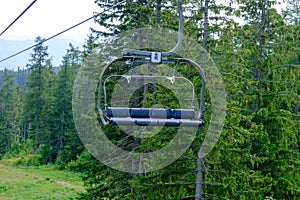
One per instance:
(134, 116)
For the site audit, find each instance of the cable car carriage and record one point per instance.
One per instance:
(142, 116)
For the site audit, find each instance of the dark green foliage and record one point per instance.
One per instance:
(257, 156)
(38, 96)
(8, 115)
(135, 14)
(66, 144)
(258, 153)
(42, 110)
(262, 92)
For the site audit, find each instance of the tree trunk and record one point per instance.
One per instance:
(261, 41)
(199, 179)
(36, 136)
(200, 160)
(205, 25)
(158, 12)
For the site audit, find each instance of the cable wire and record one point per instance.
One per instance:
(47, 39)
(18, 17)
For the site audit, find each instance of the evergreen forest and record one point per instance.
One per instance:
(255, 44)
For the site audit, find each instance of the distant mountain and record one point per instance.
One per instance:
(56, 49)
(21, 76)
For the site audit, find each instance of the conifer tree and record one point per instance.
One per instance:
(254, 53)
(258, 152)
(126, 15)
(38, 94)
(65, 141)
(7, 117)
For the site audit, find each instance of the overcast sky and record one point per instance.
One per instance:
(46, 18)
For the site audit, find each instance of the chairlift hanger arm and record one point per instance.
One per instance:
(179, 41)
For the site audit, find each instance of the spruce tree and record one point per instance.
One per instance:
(257, 154)
(255, 59)
(38, 94)
(7, 115)
(65, 141)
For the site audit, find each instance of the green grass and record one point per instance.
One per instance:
(37, 183)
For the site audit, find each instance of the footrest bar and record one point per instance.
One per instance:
(155, 122)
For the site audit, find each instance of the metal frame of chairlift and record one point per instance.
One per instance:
(152, 116)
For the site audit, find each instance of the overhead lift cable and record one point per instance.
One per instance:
(47, 39)
(18, 17)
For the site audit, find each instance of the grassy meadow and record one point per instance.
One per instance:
(37, 182)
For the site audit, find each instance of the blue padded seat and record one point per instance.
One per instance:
(150, 113)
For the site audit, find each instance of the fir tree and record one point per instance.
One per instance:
(38, 94)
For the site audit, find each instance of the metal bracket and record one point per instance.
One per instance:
(156, 57)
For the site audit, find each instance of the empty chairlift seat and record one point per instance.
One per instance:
(150, 116)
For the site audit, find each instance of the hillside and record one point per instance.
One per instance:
(37, 183)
